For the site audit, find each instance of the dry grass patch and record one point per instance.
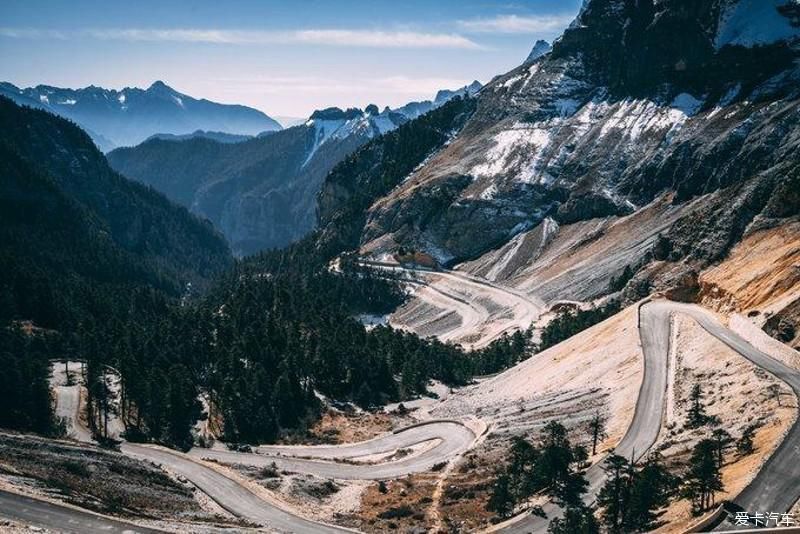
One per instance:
(467, 489)
(398, 505)
(335, 427)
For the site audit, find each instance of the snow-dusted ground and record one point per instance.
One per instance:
(576, 261)
(754, 23)
(68, 398)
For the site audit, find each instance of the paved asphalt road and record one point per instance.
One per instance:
(228, 493)
(30, 511)
(450, 438)
(646, 423)
(525, 308)
(776, 487)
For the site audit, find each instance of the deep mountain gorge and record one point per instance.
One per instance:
(261, 193)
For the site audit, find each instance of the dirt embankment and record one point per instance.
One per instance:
(599, 369)
(99, 480)
(736, 395)
(760, 278)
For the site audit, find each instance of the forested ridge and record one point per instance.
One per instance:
(263, 343)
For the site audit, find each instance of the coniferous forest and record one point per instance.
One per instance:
(110, 273)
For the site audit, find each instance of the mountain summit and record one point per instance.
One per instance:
(540, 48)
(637, 102)
(131, 115)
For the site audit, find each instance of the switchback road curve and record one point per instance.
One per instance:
(441, 441)
(523, 308)
(777, 485)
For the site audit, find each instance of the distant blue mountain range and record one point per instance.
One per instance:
(129, 116)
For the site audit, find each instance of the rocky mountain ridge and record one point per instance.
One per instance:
(620, 112)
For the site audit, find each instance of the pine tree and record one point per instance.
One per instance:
(577, 519)
(662, 248)
(722, 439)
(501, 500)
(653, 486)
(364, 396)
(183, 408)
(774, 392)
(556, 468)
(744, 445)
(523, 459)
(597, 430)
(614, 497)
(697, 412)
(703, 478)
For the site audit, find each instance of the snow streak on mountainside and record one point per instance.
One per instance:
(131, 115)
(634, 100)
(758, 22)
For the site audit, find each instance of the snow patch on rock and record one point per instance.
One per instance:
(752, 23)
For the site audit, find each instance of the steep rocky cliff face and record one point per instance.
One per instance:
(636, 100)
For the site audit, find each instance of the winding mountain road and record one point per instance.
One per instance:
(776, 487)
(441, 440)
(514, 309)
(229, 493)
(448, 439)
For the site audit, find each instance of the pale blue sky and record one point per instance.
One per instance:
(285, 58)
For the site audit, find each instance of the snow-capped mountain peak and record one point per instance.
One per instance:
(131, 115)
(335, 123)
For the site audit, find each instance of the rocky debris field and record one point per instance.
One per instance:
(99, 480)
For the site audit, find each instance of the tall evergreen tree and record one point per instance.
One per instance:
(614, 497)
(597, 430)
(703, 477)
(577, 519)
(502, 499)
(697, 411)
